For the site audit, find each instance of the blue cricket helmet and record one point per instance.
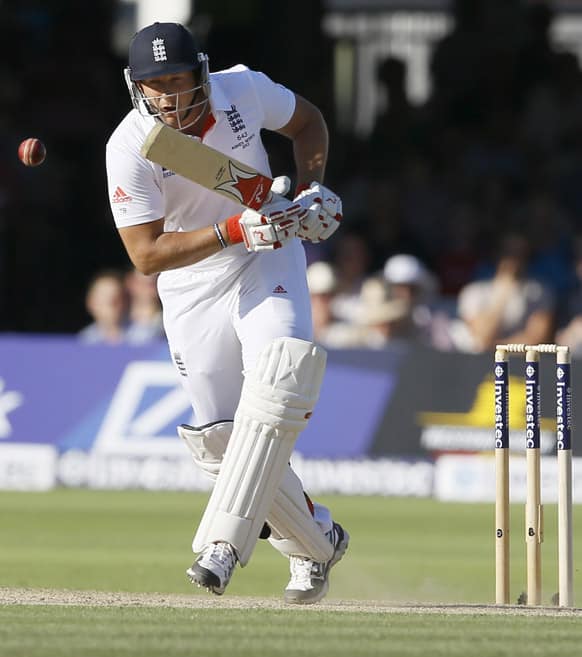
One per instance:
(164, 49)
(161, 49)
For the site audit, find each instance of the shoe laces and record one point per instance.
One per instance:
(304, 570)
(300, 569)
(223, 555)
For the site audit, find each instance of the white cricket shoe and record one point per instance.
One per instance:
(309, 581)
(213, 567)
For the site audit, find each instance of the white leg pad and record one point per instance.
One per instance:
(207, 444)
(294, 531)
(277, 399)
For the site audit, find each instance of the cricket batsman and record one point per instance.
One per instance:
(235, 301)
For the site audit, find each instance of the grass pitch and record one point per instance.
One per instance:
(402, 552)
(149, 632)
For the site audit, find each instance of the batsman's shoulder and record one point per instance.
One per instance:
(240, 74)
(237, 69)
(130, 132)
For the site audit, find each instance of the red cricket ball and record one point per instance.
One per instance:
(32, 152)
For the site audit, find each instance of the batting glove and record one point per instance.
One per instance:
(324, 212)
(271, 228)
(276, 198)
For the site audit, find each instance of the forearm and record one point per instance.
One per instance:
(152, 250)
(486, 327)
(159, 252)
(322, 207)
(538, 329)
(181, 249)
(308, 132)
(310, 148)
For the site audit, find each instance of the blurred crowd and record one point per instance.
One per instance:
(62, 83)
(463, 224)
(462, 216)
(124, 308)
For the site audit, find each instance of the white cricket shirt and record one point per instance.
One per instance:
(242, 102)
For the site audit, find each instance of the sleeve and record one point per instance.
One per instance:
(276, 101)
(134, 194)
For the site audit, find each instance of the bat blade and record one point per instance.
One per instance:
(206, 166)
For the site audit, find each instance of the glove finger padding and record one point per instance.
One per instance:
(325, 228)
(324, 213)
(265, 232)
(331, 204)
(310, 224)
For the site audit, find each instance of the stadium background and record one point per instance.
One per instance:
(421, 419)
(459, 159)
(452, 162)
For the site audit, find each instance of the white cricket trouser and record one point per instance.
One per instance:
(218, 323)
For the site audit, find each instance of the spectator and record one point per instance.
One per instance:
(382, 317)
(351, 261)
(409, 278)
(145, 311)
(510, 306)
(327, 330)
(412, 283)
(106, 303)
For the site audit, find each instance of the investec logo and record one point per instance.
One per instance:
(563, 421)
(473, 429)
(531, 414)
(501, 427)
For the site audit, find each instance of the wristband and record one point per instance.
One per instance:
(219, 236)
(233, 229)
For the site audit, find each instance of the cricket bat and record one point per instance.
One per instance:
(206, 166)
